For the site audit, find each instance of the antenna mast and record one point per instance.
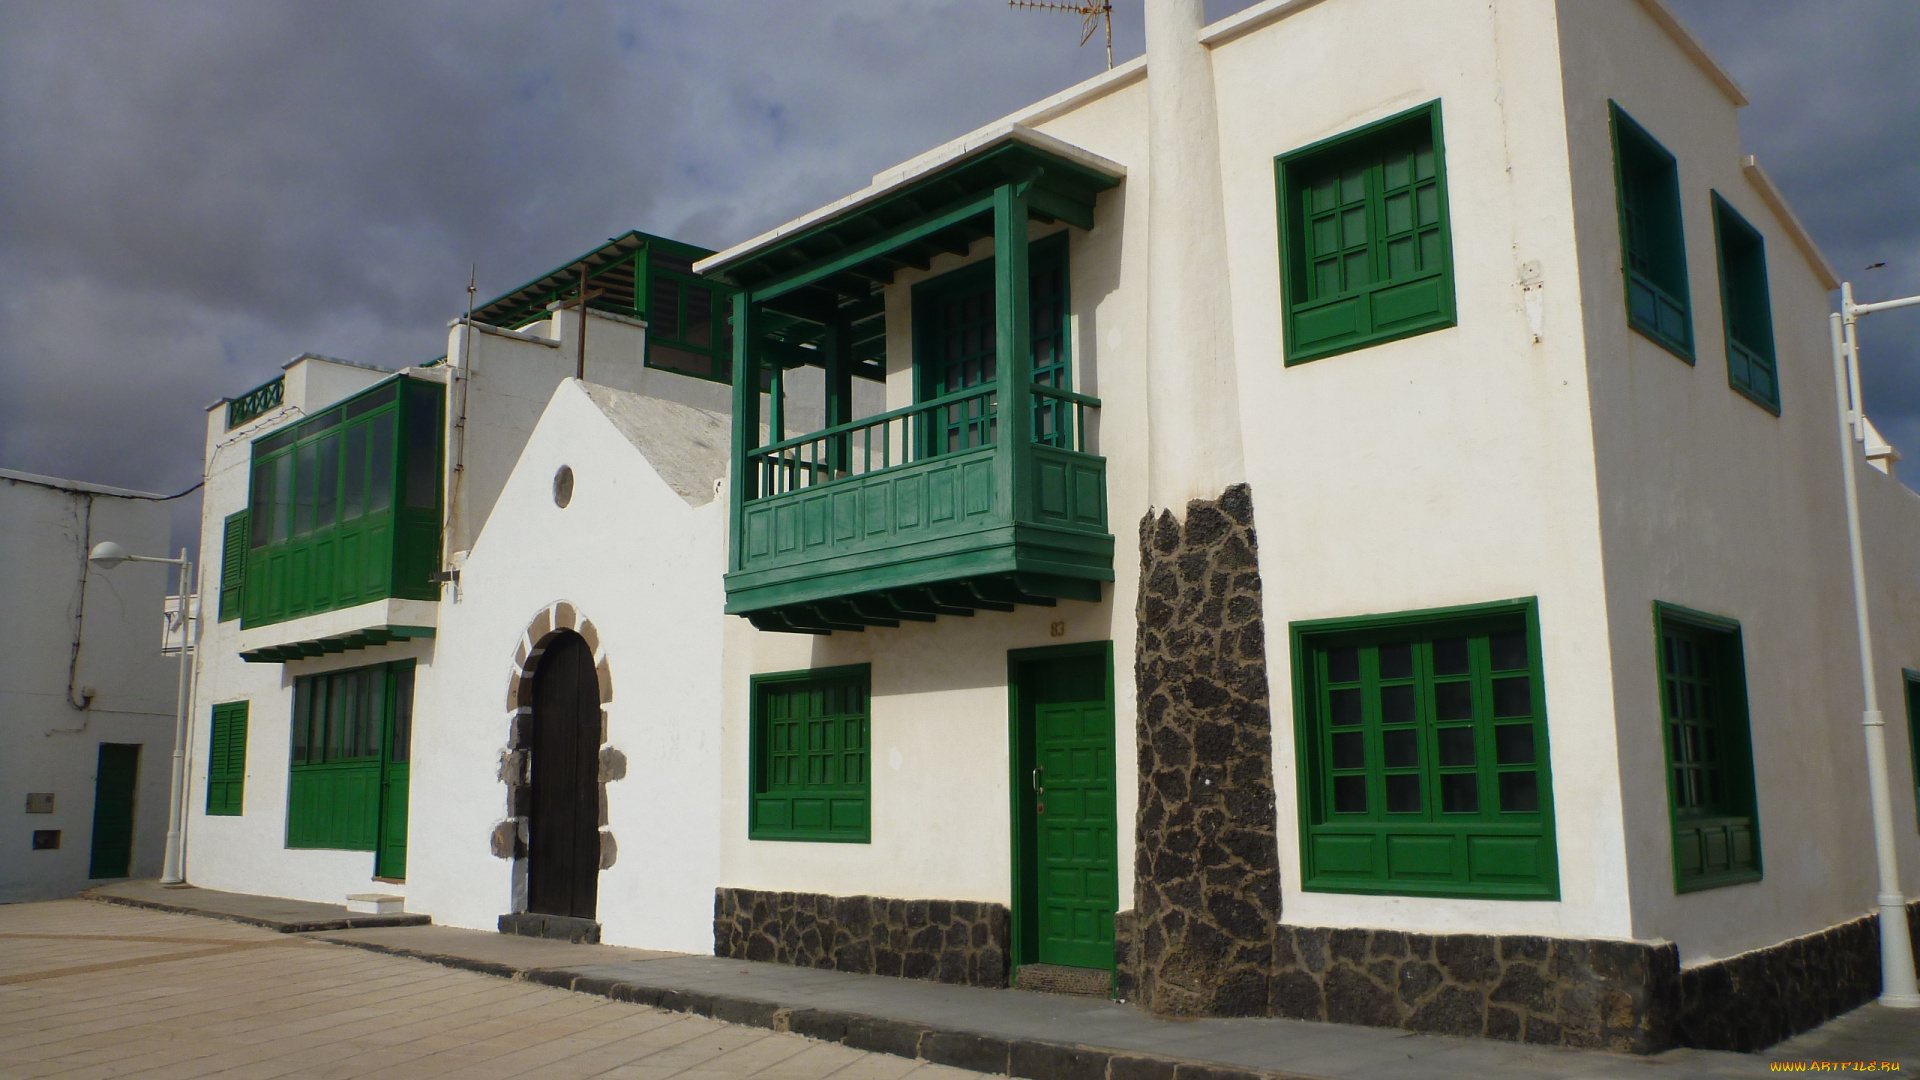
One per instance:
(1092, 15)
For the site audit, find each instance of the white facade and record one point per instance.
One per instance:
(82, 667)
(1537, 447)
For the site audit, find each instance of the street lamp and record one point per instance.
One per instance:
(106, 555)
(1896, 945)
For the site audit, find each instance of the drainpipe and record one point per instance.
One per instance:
(1897, 988)
(1193, 410)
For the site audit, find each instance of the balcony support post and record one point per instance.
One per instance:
(1013, 348)
(838, 348)
(746, 418)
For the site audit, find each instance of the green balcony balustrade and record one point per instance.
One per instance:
(256, 401)
(344, 507)
(981, 495)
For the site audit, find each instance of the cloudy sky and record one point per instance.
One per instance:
(193, 192)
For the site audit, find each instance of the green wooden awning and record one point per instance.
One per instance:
(844, 253)
(359, 639)
(610, 268)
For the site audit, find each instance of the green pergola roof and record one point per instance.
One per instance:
(844, 253)
(609, 267)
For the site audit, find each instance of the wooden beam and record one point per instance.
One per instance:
(879, 244)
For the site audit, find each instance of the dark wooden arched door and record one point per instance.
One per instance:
(563, 875)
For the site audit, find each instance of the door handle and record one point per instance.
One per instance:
(1037, 789)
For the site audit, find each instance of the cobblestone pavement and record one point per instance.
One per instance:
(88, 990)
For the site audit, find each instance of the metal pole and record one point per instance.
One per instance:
(1896, 945)
(172, 872)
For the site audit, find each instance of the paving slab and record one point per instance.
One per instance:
(1043, 1035)
(273, 912)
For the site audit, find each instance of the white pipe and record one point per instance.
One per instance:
(1883, 305)
(1897, 987)
(171, 873)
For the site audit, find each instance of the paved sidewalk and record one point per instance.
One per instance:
(91, 991)
(272, 912)
(1037, 1035)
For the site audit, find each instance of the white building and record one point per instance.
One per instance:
(86, 700)
(1533, 718)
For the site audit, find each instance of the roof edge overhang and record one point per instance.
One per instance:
(931, 195)
(1796, 231)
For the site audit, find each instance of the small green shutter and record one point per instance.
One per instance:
(1913, 730)
(1710, 781)
(227, 757)
(1653, 246)
(1745, 307)
(809, 749)
(233, 565)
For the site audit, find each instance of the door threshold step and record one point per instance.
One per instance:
(376, 903)
(555, 927)
(1060, 979)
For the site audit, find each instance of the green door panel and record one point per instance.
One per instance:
(1079, 883)
(118, 771)
(390, 861)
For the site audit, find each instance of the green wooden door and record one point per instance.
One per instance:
(119, 769)
(1078, 879)
(390, 852)
(1065, 839)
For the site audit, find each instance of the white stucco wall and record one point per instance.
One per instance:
(1448, 468)
(1711, 502)
(48, 596)
(644, 567)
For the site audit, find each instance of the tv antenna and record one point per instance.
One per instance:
(1092, 17)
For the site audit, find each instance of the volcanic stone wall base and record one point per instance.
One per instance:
(950, 941)
(556, 927)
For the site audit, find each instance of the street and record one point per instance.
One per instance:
(89, 990)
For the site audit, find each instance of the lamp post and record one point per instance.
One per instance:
(107, 555)
(1897, 987)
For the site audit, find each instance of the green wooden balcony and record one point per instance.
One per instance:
(981, 495)
(344, 506)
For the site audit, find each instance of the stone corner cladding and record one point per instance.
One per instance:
(950, 941)
(1201, 938)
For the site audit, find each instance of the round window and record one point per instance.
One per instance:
(563, 486)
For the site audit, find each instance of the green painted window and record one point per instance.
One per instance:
(1703, 712)
(687, 316)
(1653, 247)
(1912, 681)
(1423, 746)
(810, 755)
(233, 564)
(1745, 306)
(349, 728)
(1366, 253)
(954, 314)
(344, 507)
(227, 759)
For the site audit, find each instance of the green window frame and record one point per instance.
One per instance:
(1911, 679)
(1366, 247)
(349, 727)
(233, 564)
(1653, 248)
(953, 318)
(227, 759)
(809, 766)
(1745, 307)
(689, 327)
(1708, 749)
(1421, 739)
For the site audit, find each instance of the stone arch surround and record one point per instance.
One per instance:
(508, 839)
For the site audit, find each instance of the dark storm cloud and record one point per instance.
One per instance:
(193, 192)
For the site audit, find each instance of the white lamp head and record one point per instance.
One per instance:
(106, 555)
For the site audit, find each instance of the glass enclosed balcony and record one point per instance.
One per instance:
(344, 506)
(986, 492)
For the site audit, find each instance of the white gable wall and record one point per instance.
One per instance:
(645, 568)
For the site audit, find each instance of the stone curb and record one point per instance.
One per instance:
(284, 926)
(1037, 1059)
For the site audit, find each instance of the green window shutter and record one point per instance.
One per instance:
(227, 758)
(1423, 746)
(233, 565)
(342, 721)
(1366, 247)
(1746, 307)
(1703, 710)
(1652, 240)
(809, 744)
